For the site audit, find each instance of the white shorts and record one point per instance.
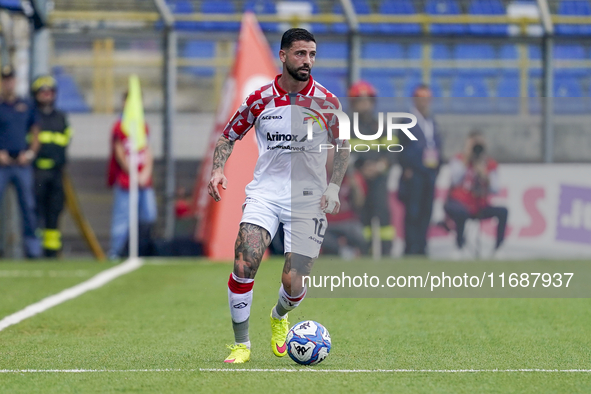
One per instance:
(304, 233)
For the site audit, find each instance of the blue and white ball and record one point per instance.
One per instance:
(308, 343)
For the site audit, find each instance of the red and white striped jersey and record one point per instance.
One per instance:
(291, 168)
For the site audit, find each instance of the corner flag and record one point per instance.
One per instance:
(132, 122)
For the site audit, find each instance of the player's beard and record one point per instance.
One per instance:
(295, 73)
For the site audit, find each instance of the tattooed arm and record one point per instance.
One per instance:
(223, 149)
(329, 202)
(340, 163)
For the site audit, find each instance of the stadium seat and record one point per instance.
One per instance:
(398, 7)
(444, 7)
(263, 7)
(470, 95)
(382, 79)
(508, 52)
(576, 52)
(218, 7)
(487, 7)
(334, 80)
(183, 7)
(567, 96)
(574, 8)
(382, 50)
(69, 98)
(414, 51)
(534, 52)
(200, 50)
(332, 50)
(440, 52)
(507, 101)
(361, 8)
(474, 52)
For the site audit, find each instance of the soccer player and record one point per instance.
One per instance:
(289, 184)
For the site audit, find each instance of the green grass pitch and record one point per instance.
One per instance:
(171, 317)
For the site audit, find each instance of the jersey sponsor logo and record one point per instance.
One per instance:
(282, 137)
(240, 305)
(287, 147)
(271, 117)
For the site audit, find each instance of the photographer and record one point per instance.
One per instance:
(474, 179)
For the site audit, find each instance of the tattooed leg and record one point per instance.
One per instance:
(292, 292)
(251, 243)
(250, 246)
(296, 266)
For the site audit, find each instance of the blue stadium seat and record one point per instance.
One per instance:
(508, 94)
(69, 98)
(575, 8)
(382, 50)
(470, 95)
(474, 51)
(183, 7)
(414, 51)
(440, 52)
(263, 7)
(398, 7)
(382, 79)
(334, 80)
(569, 52)
(444, 7)
(199, 50)
(361, 8)
(487, 7)
(508, 52)
(218, 7)
(567, 96)
(534, 52)
(332, 50)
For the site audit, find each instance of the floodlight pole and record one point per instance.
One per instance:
(354, 42)
(169, 88)
(547, 83)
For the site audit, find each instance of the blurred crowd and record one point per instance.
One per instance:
(364, 225)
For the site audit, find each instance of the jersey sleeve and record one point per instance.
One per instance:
(243, 119)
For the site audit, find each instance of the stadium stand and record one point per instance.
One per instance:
(69, 97)
(263, 7)
(361, 8)
(574, 8)
(444, 7)
(199, 49)
(487, 7)
(398, 7)
(218, 7)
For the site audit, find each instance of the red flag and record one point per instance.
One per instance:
(218, 222)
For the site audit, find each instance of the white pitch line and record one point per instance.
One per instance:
(298, 370)
(95, 282)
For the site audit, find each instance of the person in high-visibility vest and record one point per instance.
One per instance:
(54, 137)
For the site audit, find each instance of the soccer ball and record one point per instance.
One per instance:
(308, 343)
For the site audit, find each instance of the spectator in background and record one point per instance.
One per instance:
(474, 179)
(17, 125)
(344, 235)
(374, 165)
(420, 161)
(54, 139)
(118, 179)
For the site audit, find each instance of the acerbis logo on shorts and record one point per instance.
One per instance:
(271, 117)
(319, 242)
